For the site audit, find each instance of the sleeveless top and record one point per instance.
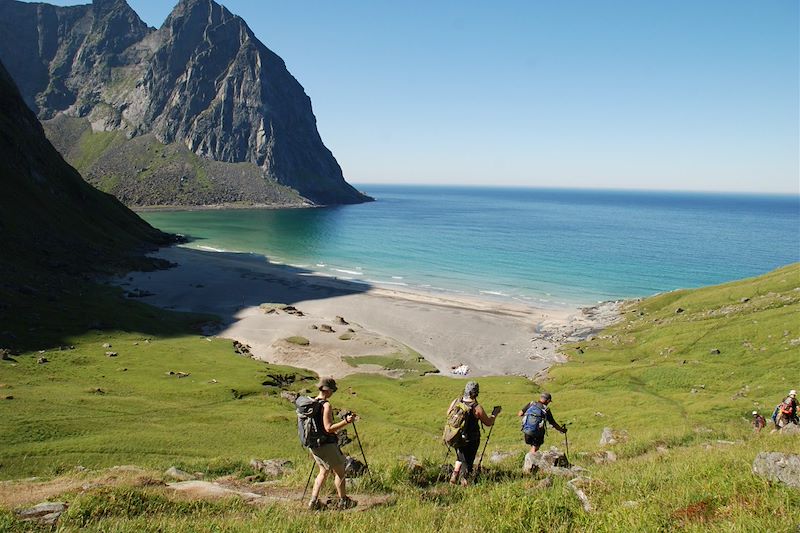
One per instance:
(472, 428)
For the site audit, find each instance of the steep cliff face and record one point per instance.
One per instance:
(202, 81)
(49, 216)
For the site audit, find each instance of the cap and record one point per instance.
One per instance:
(471, 389)
(327, 384)
(546, 396)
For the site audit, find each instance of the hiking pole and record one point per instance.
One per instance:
(444, 463)
(358, 440)
(485, 444)
(566, 443)
(313, 463)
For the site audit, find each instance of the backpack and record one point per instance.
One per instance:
(456, 420)
(534, 419)
(310, 430)
(786, 407)
(775, 413)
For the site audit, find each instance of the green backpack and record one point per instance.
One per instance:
(456, 419)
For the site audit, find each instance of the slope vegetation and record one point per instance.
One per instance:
(676, 386)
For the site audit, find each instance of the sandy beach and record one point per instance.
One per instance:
(341, 318)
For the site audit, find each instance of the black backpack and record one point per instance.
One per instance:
(310, 428)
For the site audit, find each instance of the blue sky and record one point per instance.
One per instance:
(690, 95)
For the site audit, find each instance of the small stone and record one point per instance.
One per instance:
(679, 310)
(111, 354)
(42, 360)
(106, 345)
(714, 351)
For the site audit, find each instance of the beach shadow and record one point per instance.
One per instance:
(204, 289)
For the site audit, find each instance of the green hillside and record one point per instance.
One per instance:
(656, 376)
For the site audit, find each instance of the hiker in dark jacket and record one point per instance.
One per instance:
(465, 454)
(788, 410)
(535, 417)
(758, 422)
(328, 456)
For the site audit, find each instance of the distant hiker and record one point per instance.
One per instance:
(787, 410)
(758, 422)
(535, 417)
(318, 433)
(462, 431)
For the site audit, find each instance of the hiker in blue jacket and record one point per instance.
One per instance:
(535, 417)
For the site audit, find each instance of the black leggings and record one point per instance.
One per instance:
(466, 455)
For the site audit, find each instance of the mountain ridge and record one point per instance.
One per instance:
(202, 80)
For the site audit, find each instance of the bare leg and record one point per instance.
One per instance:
(339, 482)
(320, 479)
(456, 473)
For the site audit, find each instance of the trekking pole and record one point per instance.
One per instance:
(302, 498)
(566, 443)
(485, 444)
(444, 463)
(358, 440)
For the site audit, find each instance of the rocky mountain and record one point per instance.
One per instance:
(51, 220)
(196, 112)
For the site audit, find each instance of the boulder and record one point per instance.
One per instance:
(111, 354)
(604, 457)
(289, 396)
(609, 437)
(180, 475)
(42, 360)
(550, 462)
(790, 429)
(781, 467)
(272, 467)
(341, 321)
(327, 328)
(353, 467)
(46, 513)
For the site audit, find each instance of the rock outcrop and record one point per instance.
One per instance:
(143, 112)
(781, 467)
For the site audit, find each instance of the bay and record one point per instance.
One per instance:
(543, 247)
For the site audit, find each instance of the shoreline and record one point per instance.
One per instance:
(489, 337)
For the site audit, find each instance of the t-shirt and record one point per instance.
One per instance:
(547, 414)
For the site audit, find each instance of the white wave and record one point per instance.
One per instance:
(344, 271)
(210, 248)
(397, 277)
(494, 293)
(379, 282)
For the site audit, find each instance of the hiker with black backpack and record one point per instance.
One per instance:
(536, 416)
(317, 432)
(462, 430)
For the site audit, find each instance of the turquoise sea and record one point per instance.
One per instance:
(537, 246)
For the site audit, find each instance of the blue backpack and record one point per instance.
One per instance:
(534, 419)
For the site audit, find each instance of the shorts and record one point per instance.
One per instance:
(329, 456)
(534, 439)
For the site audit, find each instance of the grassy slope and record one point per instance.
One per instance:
(634, 373)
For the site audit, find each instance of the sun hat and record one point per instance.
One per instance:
(792, 392)
(755, 412)
(327, 384)
(471, 389)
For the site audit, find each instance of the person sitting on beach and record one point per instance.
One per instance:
(471, 433)
(758, 422)
(536, 416)
(328, 456)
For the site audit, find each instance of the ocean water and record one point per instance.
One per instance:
(544, 247)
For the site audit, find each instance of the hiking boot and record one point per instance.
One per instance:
(346, 503)
(315, 505)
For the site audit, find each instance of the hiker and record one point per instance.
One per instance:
(327, 455)
(536, 416)
(470, 435)
(758, 422)
(787, 410)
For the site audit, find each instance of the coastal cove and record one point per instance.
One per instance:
(543, 248)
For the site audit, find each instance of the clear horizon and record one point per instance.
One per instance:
(638, 96)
